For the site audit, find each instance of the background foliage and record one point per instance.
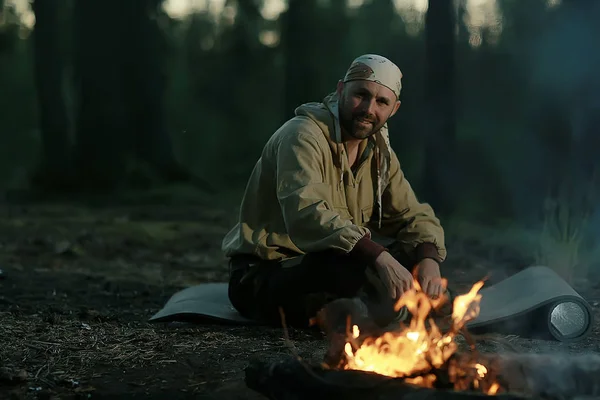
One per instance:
(498, 126)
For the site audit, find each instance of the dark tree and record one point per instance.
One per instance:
(144, 81)
(120, 85)
(99, 57)
(300, 33)
(50, 63)
(440, 173)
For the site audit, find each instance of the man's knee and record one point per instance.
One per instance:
(300, 287)
(239, 293)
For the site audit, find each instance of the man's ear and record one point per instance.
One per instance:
(396, 107)
(340, 87)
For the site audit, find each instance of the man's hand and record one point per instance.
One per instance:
(428, 275)
(395, 278)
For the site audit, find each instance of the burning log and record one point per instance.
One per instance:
(292, 379)
(419, 360)
(520, 377)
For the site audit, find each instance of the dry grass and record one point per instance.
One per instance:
(55, 352)
(562, 238)
(64, 350)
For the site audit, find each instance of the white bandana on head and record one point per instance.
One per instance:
(375, 68)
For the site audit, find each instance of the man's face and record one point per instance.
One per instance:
(364, 107)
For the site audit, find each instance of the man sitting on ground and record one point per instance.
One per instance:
(325, 181)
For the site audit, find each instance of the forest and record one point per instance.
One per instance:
(497, 125)
(128, 130)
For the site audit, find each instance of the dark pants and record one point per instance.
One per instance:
(257, 289)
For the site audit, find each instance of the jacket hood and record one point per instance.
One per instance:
(326, 115)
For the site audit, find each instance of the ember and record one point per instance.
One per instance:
(419, 351)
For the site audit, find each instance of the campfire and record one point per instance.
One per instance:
(421, 359)
(421, 353)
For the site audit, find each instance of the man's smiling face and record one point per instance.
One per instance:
(364, 107)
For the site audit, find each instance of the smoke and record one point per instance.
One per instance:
(560, 69)
(563, 59)
(557, 188)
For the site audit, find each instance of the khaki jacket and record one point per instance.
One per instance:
(303, 197)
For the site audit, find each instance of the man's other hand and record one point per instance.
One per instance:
(395, 278)
(428, 275)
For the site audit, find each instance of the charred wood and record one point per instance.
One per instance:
(521, 376)
(293, 380)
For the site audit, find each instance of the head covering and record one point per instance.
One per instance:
(375, 68)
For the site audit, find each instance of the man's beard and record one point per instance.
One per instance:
(358, 125)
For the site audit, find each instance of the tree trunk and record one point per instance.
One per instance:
(144, 87)
(440, 169)
(298, 39)
(49, 74)
(121, 87)
(102, 137)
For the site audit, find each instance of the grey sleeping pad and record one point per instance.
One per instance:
(534, 302)
(204, 301)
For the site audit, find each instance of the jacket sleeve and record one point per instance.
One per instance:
(305, 200)
(414, 224)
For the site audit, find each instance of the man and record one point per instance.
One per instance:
(326, 180)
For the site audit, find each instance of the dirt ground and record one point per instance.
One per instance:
(79, 283)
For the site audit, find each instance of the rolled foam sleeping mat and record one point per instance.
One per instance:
(535, 302)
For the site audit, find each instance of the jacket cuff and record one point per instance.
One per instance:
(366, 250)
(427, 250)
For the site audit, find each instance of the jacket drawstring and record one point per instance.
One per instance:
(377, 159)
(341, 161)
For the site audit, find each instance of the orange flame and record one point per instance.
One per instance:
(414, 351)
